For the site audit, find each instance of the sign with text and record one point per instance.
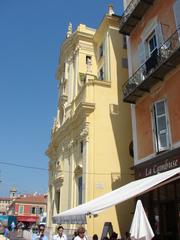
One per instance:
(157, 167)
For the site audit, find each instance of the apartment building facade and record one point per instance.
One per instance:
(88, 152)
(28, 208)
(6, 201)
(4, 204)
(152, 28)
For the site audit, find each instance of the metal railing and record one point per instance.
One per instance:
(159, 57)
(128, 11)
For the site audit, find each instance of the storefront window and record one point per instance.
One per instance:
(156, 221)
(179, 219)
(162, 194)
(155, 195)
(178, 190)
(170, 192)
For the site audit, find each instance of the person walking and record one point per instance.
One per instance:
(95, 237)
(6, 232)
(40, 235)
(81, 234)
(60, 234)
(114, 236)
(13, 226)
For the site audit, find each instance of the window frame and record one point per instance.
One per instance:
(41, 210)
(79, 189)
(101, 50)
(88, 59)
(152, 36)
(21, 209)
(33, 210)
(37, 210)
(81, 147)
(58, 200)
(156, 130)
(154, 28)
(101, 73)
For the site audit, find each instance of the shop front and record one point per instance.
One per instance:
(162, 204)
(27, 221)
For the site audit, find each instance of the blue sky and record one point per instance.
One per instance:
(31, 32)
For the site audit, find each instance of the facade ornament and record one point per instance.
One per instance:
(69, 32)
(89, 64)
(70, 145)
(56, 125)
(115, 177)
(77, 48)
(84, 132)
(78, 169)
(62, 149)
(110, 10)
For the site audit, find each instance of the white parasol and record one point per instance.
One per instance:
(140, 227)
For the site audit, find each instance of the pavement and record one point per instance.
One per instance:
(16, 235)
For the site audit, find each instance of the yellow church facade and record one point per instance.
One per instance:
(89, 148)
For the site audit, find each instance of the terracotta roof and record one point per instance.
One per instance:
(5, 199)
(31, 199)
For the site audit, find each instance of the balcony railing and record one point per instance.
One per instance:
(162, 61)
(133, 14)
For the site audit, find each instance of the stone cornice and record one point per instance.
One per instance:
(82, 111)
(85, 109)
(71, 45)
(100, 83)
(107, 21)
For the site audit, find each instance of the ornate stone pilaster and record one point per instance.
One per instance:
(84, 134)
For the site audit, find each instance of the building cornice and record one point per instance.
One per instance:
(107, 21)
(82, 112)
(71, 44)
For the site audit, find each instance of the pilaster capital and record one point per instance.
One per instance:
(70, 144)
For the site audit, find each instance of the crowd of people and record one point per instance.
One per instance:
(79, 234)
(5, 230)
(39, 233)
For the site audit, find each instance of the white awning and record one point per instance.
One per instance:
(130, 190)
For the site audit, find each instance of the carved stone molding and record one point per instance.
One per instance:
(70, 144)
(76, 50)
(85, 131)
(78, 170)
(115, 177)
(87, 47)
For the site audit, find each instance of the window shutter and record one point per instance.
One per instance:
(154, 126)
(37, 210)
(176, 9)
(142, 54)
(159, 35)
(161, 126)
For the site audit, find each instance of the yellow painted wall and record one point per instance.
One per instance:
(106, 164)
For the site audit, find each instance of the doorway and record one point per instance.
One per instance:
(168, 224)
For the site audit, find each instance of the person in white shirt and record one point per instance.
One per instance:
(60, 235)
(81, 234)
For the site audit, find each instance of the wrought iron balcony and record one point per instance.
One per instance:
(161, 62)
(133, 14)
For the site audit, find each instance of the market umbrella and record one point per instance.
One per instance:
(140, 227)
